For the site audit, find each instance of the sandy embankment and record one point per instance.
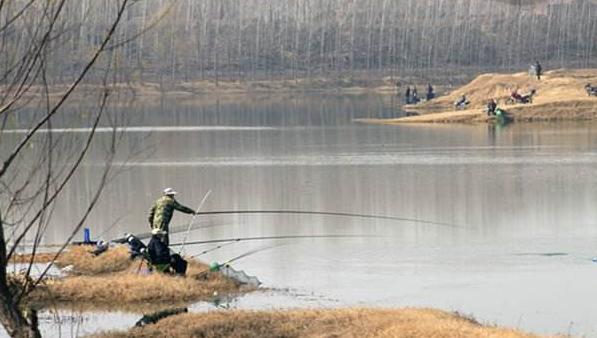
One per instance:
(560, 96)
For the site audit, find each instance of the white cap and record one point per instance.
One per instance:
(169, 191)
(158, 231)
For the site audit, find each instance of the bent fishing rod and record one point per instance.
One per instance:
(264, 238)
(204, 252)
(325, 213)
(192, 219)
(174, 230)
(217, 266)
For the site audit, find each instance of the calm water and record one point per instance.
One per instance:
(523, 198)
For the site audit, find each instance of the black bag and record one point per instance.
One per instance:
(159, 253)
(178, 264)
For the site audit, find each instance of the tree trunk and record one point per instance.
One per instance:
(18, 323)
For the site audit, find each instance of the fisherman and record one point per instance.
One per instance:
(591, 91)
(430, 93)
(538, 70)
(491, 106)
(407, 95)
(415, 96)
(461, 102)
(158, 251)
(162, 210)
(516, 97)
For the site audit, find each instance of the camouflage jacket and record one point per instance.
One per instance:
(162, 210)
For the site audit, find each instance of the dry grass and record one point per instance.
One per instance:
(40, 257)
(82, 260)
(112, 280)
(319, 323)
(560, 96)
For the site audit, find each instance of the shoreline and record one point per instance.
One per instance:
(84, 278)
(347, 322)
(196, 91)
(83, 287)
(561, 97)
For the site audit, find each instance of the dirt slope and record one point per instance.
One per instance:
(560, 96)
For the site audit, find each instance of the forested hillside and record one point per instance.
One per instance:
(186, 40)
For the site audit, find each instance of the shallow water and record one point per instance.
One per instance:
(522, 197)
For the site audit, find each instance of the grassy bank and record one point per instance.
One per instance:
(113, 281)
(319, 323)
(560, 96)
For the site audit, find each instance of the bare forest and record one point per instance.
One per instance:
(186, 40)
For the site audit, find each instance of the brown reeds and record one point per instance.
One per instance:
(83, 262)
(320, 323)
(41, 257)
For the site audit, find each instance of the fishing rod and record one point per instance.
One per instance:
(325, 213)
(192, 219)
(249, 253)
(215, 248)
(111, 226)
(271, 238)
(215, 266)
(173, 230)
(295, 212)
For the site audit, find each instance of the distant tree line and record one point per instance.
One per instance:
(187, 40)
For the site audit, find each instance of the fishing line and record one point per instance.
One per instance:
(214, 248)
(324, 213)
(251, 252)
(192, 219)
(177, 230)
(272, 238)
(246, 254)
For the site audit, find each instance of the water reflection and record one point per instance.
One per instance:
(154, 317)
(525, 188)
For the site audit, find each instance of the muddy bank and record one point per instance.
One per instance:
(319, 323)
(560, 97)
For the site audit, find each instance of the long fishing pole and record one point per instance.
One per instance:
(173, 230)
(271, 238)
(249, 253)
(324, 213)
(215, 248)
(192, 219)
(217, 266)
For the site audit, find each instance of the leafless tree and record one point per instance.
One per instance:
(37, 164)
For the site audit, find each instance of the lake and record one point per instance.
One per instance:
(519, 203)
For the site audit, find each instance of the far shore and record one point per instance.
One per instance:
(199, 91)
(560, 97)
